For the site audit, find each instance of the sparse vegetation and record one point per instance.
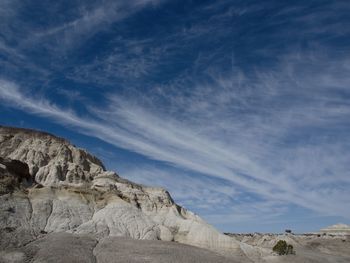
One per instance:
(290, 249)
(282, 248)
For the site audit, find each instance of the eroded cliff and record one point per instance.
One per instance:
(48, 185)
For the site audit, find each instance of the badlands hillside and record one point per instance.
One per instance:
(49, 186)
(59, 204)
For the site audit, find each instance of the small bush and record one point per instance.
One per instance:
(290, 249)
(282, 248)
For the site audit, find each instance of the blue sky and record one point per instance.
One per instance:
(239, 108)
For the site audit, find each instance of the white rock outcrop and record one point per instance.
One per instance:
(337, 229)
(69, 190)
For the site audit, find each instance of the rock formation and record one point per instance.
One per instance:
(48, 185)
(59, 204)
(337, 229)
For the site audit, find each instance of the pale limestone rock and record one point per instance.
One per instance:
(119, 218)
(165, 234)
(52, 160)
(73, 193)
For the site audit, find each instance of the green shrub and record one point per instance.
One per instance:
(282, 248)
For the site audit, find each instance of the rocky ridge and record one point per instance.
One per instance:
(48, 185)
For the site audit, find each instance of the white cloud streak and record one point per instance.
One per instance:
(93, 19)
(278, 133)
(236, 148)
(80, 21)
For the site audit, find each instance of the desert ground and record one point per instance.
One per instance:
(65, 247)
(308, 247)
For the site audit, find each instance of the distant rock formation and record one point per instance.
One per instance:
(337, 229)
(48, 185)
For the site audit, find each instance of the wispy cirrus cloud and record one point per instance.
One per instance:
(224, 94)
(22, 35)
(130, 60)
(93, 18)
(259, 150)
